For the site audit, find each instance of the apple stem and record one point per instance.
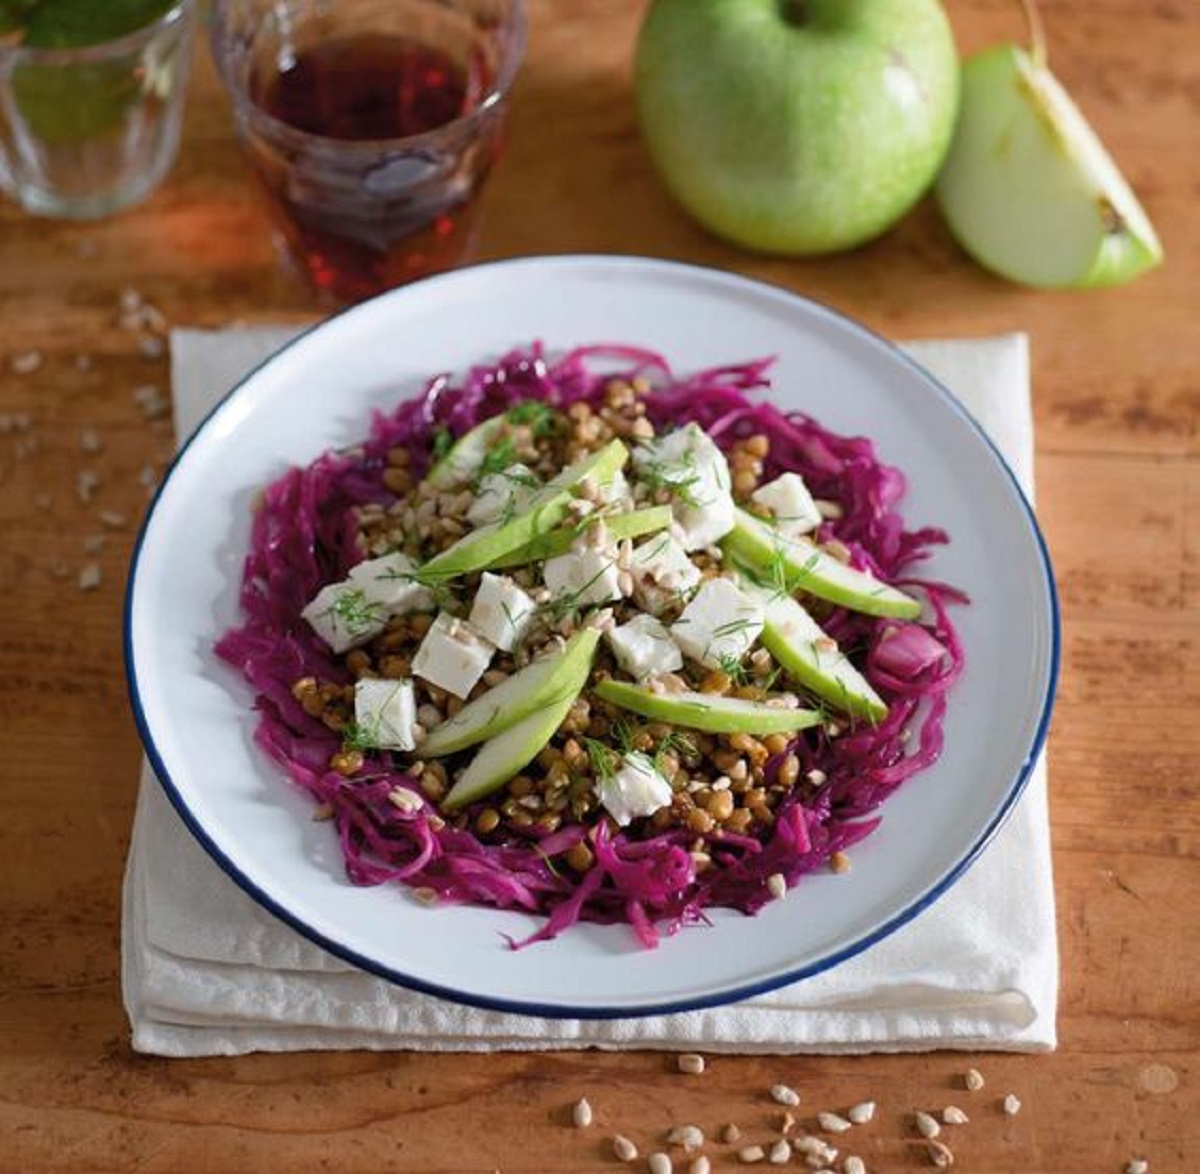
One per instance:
(1037, 32)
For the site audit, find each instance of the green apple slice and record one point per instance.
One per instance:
(705, 711)
(798, 564)
(631, 525)
(799, 644)
(509, 752)
(1028, 188)
(544, 511)
(538, 684)
(466, 455)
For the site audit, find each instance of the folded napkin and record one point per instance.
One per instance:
(206, 971)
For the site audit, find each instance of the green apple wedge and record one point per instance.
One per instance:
(706, 711)
(1028, 188)
(800, 565)
(545, 510)
(535, 686)
(799, 644)
(513, 749)
(634, 524)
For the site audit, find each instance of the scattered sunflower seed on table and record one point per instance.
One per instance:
(623, 1149)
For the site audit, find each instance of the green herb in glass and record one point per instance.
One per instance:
(65, 103)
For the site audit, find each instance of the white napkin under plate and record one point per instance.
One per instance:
(206, 971)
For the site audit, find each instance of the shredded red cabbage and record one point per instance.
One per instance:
(303, 537)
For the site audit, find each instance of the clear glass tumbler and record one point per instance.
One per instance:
(87, 132)
(370, 127)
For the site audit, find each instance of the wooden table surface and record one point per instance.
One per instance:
(1117, 395)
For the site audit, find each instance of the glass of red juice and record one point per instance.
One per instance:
(370, 127)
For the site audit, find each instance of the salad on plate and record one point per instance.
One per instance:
(580, 636)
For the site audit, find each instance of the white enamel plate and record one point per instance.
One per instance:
(195, 713)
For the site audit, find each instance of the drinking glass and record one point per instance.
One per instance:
(370, 127)
(89, 131)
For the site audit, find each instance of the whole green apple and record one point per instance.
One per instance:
(797, 126)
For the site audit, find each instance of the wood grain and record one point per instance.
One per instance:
(1117, 401)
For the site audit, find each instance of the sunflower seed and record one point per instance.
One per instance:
(781, 1094)
(659, 1163)
(623, 1149)
(700, 1165)
(940, 1154)
(1137, 1166)
(690, 1063)
(833, 1123)
(751, 1154)
(409, 801)
(1012, 1104)
(581, 1114)
(780, 1153)
(854, 1165)
(926, 1124)
(691, 1137)
(973, 1079)
(953, 1115)
(730, 1133)
(861, 1113)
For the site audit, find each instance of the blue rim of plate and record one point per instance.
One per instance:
(568, 1011)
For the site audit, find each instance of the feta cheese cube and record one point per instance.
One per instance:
(636, 790)
(790, 503)
(390, 582)
(386, 713)
(644, 648)
(586, 576)
(343, 616)
(695, 470)
(662, 573)
(721, 623)
(502, 493)
(452, 656)
(502, 613)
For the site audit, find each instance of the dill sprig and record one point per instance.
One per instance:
(625, 733)
(539, 416)
(674, 477)
(442, 442)
(734, 668)
(360, 736)
(355, 611)
(674, 742)
(603, 759)
(497, 459)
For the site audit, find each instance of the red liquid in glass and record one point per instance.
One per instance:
(397, 217)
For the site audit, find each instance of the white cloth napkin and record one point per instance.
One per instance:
(206, 971)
